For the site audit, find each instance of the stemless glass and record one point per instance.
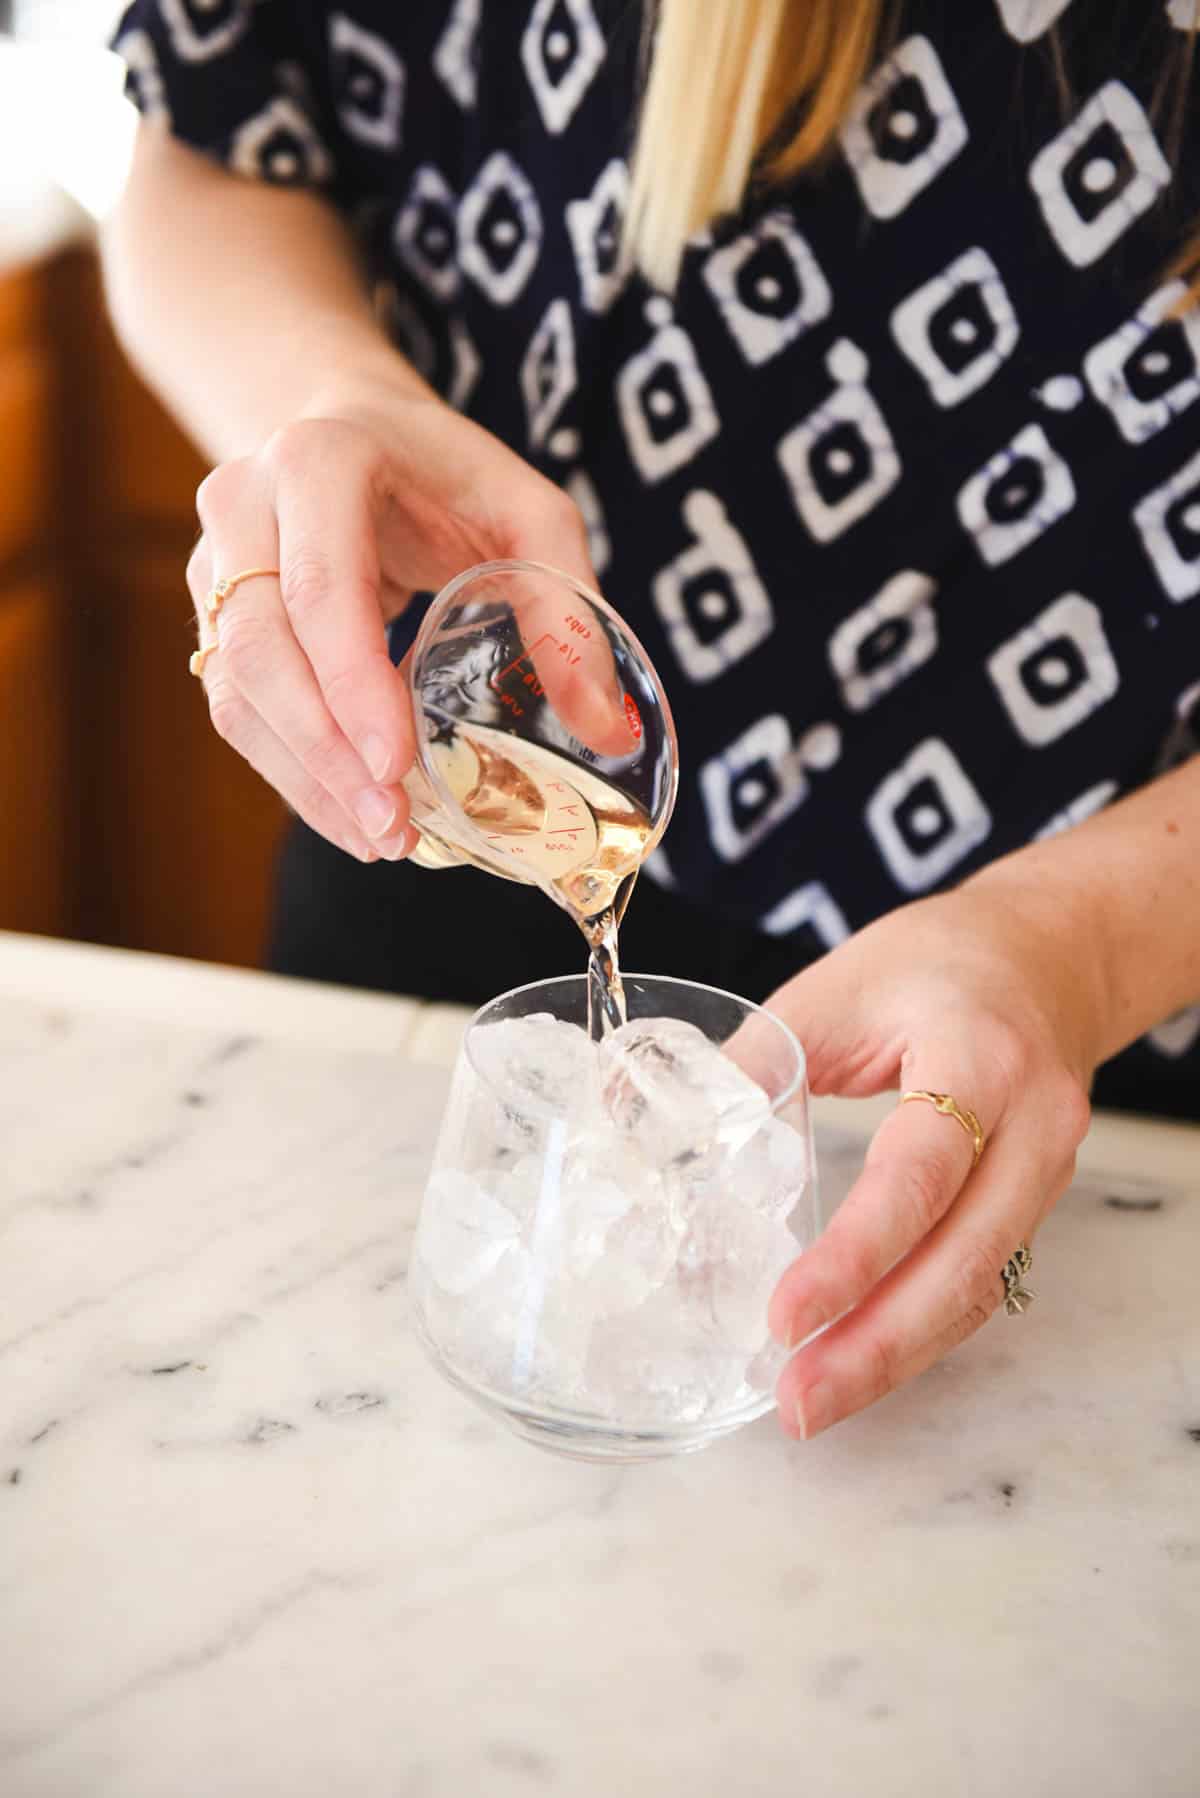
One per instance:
(604, 1224)
(546, 751)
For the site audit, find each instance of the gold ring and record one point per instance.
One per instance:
(213, 603)
(947, 1106)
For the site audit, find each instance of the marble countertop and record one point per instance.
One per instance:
(250, 1543)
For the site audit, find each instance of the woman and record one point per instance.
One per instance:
(866, 395)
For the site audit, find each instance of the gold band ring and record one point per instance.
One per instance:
(213, 603)
(949, 1108)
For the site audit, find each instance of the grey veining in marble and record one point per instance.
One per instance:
(251, 1545)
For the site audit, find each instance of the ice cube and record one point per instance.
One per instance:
(730, 1261)
(770, 1173)
(564, 1204)
(659, 1364)
(464, 1231)
(539, 1072)
(674, 1095)
(639, 1256)
(592, 1205)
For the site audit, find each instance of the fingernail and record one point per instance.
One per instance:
(802, 1325)
(393, 850)
(359, 851)
(374, 811)
(376, 754)
(814, 1409)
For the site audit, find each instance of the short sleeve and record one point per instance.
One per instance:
(229, 78)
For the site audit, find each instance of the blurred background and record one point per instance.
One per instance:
(122, 818)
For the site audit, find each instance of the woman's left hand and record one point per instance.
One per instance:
(992, 995)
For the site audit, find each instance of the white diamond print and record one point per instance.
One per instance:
(1028, 19)
(1092, 801)
(715, 609)
(136, 50)
(454, 53)
(768, 286)
(279, 144)
(548, 376)
(1016, 496)
(664, 404)
(425, 232)
(1054, 673)
(926, 817)
(812, 905)
(499, 229)
(903, 128)
(1177, 1035)
(1098, 176)
(1148, 371)
(1169, 522)
(882, 643)
(840, 461)
(368, 83)
(594, 225)
(562, 47)
(199, 31)
(957, 329)
(466, 365)
(752, 786)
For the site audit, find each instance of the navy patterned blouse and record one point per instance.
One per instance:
(901, 488)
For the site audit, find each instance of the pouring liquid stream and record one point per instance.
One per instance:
(549, 822)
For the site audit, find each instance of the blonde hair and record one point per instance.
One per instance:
(753, 91)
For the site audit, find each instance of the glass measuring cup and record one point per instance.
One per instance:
(546, 751)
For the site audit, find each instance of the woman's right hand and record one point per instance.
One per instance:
(377, 492)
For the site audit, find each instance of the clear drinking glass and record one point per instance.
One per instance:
(604, 1223)
(546, 751)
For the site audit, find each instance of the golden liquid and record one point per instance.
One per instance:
(550, 823)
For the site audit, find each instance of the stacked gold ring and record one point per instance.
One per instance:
(212, 605)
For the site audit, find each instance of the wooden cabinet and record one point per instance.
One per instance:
(123, 819)
(27, 461)
(36, 835)
(35, 803)
(180, 831)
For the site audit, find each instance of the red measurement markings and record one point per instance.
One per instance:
(530, 678)
(525, 655)
(578, 626)
(634, 716)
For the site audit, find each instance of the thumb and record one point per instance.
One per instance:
(851, 1052)
(569, 642)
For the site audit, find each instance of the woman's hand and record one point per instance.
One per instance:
(374, 494)
(988, 994)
